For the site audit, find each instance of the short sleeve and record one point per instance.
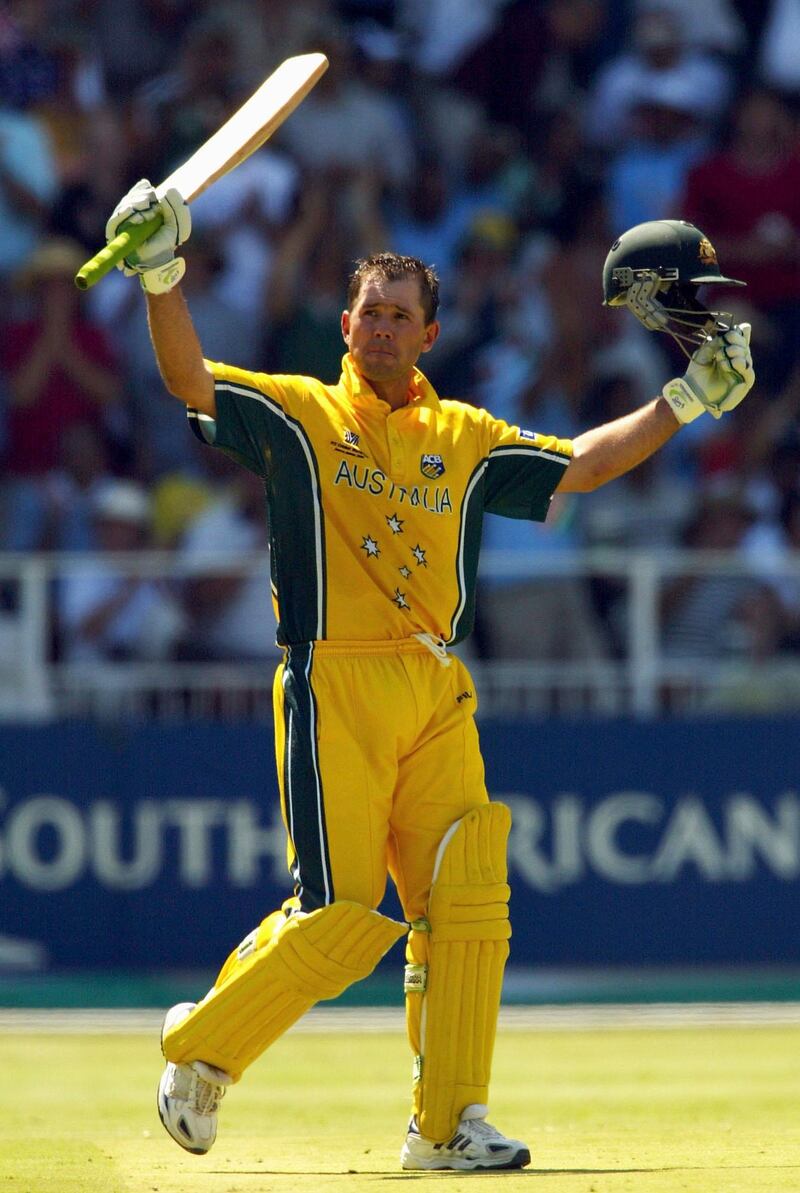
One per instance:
(249, 405)
(523, 471)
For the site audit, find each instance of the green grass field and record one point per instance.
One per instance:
(651, 1111)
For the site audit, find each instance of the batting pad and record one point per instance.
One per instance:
(274, 977)
(456, 960)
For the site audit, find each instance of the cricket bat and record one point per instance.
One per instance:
(249, 127)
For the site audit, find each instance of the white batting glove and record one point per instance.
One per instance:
(720, 375)
(154, 260)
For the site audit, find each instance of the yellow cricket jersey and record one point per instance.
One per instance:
(375, 515)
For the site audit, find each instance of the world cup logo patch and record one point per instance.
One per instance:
(431, 466)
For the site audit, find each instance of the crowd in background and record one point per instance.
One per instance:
(507, 142)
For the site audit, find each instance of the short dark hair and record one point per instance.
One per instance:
(393, 267)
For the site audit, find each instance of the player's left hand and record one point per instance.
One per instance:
(157, 253)
(720, 375)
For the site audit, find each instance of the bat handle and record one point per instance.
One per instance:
(121, 246)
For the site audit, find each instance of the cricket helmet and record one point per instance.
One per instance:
(655, 269)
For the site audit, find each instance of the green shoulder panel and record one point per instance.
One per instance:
(520, 480)
(256, 431)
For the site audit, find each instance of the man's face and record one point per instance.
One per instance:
(386, 330)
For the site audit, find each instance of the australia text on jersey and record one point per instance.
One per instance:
(434, 498)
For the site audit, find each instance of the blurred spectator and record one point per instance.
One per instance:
(245, 215)
(135, 41)
(647, 177)
(28, 183)
(4, 405)
(176, 111)
(104, 613)
(431, 216)
(771, 450)
(570, 275)
(29, 68)
(699, 610)
(79, 98)
(765, 678)
(444, 122)
(230, 615)
(49, 68)
(443, 32)
(747, 197)
(178, 498)
(648, 507)
(91, 188)
(419, 217)
(162, 441)
(473, 305)
(772, 548)
(548, 618)
(715, 25)
(523, 616)
(346, 126)
(484, 186)
(779, 47)
(265, 32)
(560, 180)
(378, 62)
(304, 305)
(61, 372)
(531, 59)
(72, 488)
(661, 64)
(644, 510)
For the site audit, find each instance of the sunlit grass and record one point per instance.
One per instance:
(650, 1111)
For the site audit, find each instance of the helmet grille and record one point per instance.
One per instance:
(663, 304)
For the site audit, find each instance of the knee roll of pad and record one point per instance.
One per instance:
(456, 957)
(266, 988)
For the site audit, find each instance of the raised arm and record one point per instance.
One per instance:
(611, 450)
(177, 348)
(719, 376)
(178, 352)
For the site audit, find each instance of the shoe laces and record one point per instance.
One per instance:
(201, 1095)
(479, 1127)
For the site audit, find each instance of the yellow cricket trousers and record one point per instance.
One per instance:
(377, 755)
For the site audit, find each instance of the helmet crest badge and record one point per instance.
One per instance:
(707, 252)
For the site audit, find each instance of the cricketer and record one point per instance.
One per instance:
(376, 489)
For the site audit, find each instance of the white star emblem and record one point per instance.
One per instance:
(395, 524)
(370, 546)
(419, 555)
(399, 599)
(405, 572)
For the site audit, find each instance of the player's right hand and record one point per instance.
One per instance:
(154, 260)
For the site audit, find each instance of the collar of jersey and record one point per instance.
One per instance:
(360, 390)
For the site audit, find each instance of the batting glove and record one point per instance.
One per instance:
(720, 375)
(154, 260)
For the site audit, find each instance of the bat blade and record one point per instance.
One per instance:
(249, 127)
(246, 130)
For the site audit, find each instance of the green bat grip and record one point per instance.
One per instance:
(121, 246)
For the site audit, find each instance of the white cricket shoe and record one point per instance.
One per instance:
(474, 1146)
(189, 1095)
